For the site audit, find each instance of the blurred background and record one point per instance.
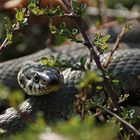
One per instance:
(36, 34)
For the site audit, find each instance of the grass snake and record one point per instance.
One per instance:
(125, 66)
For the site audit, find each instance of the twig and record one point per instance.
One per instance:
(14, 29)
(114, 13)
(67, 4)
(119, 118)
(93, 55)
(116, 46)
(102, 11)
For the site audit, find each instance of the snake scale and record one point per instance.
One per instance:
(125, 66)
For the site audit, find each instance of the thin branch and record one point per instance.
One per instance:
(116, 46)
(102, 11)
(93, 55)
(67, 5)
(119, 118)
(15, 27)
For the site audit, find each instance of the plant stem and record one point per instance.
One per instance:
(93, 55)
(116, 46)
(119, 118)
(102, 11)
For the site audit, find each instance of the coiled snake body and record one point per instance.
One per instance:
(125, 66)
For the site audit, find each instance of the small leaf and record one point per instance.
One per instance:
(105, 38)
(99, 88)
(63, 25)
(127, 28)
(7, 24)
(74, 31)
(104, 46)
(44, 60)
(53, 29)
(82, 61)
(32, 6)
(74, 5)
(83, 6)
(9, 36)
(19, 16)
(116, 82)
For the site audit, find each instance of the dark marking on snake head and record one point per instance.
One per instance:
(36, 78)
(30, 87)
(22, 79)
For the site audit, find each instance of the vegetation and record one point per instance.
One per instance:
(96, 118)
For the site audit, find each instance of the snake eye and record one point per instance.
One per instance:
(36, 78)
(43, 81)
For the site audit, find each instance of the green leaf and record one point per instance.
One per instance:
(104, 46)
(105, 38)
(53, 29)
(127, 28)
(83, 6)
(100, 42)
(99, 88)
(63, 25)
(8, 24)
(89, 78)
(82, 61)
(44, 60)
(19, 16)
(35, 9)
(32, 6)
(74, 5)
(75, 31)
(116, 82)
(78, 10)
(9, 36)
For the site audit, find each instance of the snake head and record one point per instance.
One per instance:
(38, 79)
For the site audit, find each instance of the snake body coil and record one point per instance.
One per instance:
(125, 66)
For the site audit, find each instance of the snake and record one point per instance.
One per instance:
(55, 90)
(37, 80)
